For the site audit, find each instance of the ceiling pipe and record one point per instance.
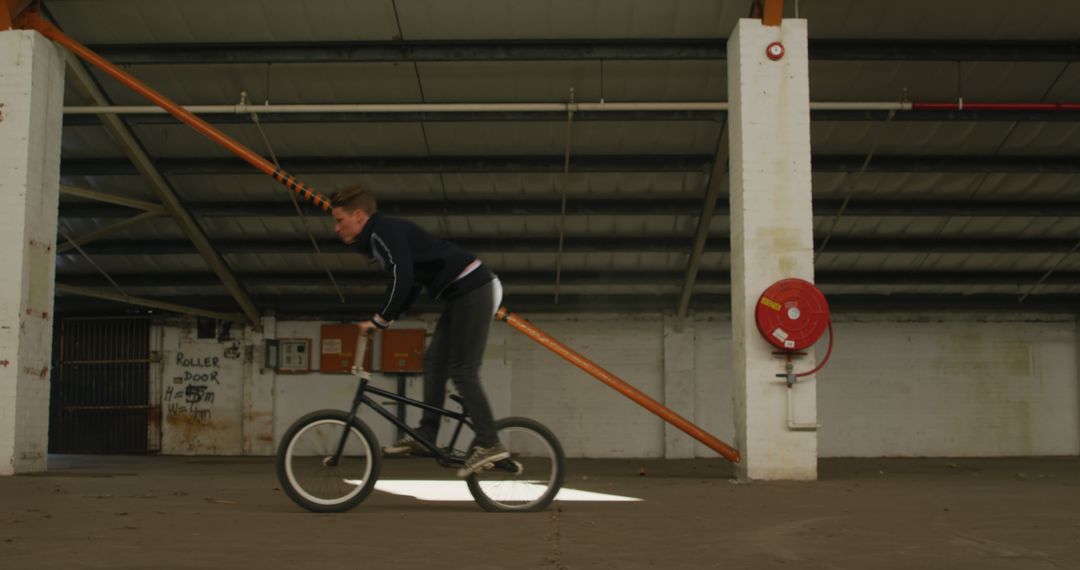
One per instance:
(964, 106)
(247, 109)
(654, 106)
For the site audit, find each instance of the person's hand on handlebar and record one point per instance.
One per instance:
(367, 328)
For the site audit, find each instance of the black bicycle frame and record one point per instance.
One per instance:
(361, 398)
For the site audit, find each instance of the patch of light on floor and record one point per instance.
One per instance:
(459, 491)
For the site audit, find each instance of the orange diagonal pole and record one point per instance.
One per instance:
(33, 20)
(618, 384)
(774, 12)
(10, 10)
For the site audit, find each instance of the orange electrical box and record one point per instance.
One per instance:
(337, 348)
(400, 350)
(391, 351)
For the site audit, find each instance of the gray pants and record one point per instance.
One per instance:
(456, 352)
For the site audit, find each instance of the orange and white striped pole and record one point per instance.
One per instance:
(31, 20)
(618, 384)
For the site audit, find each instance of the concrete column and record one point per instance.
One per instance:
(31, 106)
(771, 238)
(258, 420)
(679, 385)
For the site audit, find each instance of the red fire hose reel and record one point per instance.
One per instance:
(792, 315)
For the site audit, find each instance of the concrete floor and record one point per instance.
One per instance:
(199, 512)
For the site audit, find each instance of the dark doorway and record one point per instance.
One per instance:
(102, 398)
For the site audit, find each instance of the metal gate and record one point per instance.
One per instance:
(103, 400)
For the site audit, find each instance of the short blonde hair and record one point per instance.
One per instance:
(354, 198)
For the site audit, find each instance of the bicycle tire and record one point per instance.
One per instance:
(305, 452)
(534, 449)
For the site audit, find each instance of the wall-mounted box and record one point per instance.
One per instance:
(337, 348)
(294, 355)
(399, 351)
(391, 351)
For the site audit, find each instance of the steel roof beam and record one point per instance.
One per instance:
(579, 164)
(140, 163)
(329, 306)
(109, 230)
(579, 277)
(718, 180)
(401, 164)
(531, 244)
(573, 50)
(106, 198)
(615, 206)
(586, 116)
(183, 309)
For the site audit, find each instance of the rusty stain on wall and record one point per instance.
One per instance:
(195, 430)
(43, 373)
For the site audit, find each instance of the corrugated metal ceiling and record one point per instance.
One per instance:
(198, 22)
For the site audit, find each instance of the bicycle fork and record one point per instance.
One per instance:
(335, 459)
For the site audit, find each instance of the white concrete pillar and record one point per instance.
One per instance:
(771, 238)
(258, 420)
(679, 385)
(31, 109)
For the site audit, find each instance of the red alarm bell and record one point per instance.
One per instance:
(774, 51)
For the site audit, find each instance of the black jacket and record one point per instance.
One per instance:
(414, 258)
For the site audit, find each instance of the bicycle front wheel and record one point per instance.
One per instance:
(530, 478)
(312, 472)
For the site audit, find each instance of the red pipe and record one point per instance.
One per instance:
(728, 452)
(34, 21)
(958, 106)
(828, 353)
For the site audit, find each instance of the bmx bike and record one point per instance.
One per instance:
(329, 460)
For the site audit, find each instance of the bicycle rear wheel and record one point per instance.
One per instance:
(306, 466)
(531, 478)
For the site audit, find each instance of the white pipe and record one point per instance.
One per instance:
(462, 108)
(791, 423)
(862, 106)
